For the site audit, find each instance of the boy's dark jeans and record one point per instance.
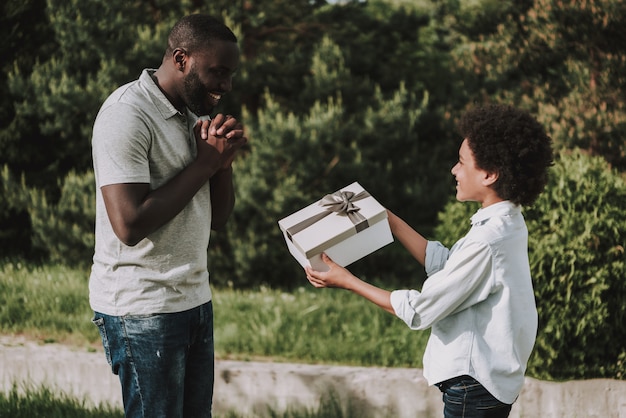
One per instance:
(464, 397)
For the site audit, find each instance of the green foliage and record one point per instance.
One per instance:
(327, 327)
(80, 51)
(49, 302)
(70, 220)
(295, 160)
(577, 236)
(41, 402)
(330, 406)
(56, 98)
(329, 94)
(312, 326)
(15, 231)
(563, 61)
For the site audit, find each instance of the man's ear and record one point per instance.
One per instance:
(490, 178)
(180, 58)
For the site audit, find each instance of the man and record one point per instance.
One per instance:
(164, 179)
(478, 299)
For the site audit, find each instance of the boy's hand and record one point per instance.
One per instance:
(336, 276)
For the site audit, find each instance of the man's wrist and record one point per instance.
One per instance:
(225, 171)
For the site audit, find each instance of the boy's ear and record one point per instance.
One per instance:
(490, 178)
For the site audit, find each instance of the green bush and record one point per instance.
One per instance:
(577, 233)
(15, 231)
(63, 230)
(294, 160)
(577, 238)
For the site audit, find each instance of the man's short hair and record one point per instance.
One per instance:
(197, 31)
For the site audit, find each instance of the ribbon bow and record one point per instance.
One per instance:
(342, 203)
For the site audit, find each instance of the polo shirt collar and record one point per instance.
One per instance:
(163, 105)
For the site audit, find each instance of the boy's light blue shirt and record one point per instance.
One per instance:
(479, 301)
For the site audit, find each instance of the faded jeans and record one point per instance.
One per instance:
(465, 397)
(165, 362)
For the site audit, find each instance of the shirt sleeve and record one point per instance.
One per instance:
(120, 146)
(436, 257)
(466, 279)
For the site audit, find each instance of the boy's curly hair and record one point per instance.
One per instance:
(510, 142)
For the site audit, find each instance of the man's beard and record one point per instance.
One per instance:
(196, 94)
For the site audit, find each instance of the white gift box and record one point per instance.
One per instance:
(347, 225)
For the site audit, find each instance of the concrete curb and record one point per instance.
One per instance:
(250, 388)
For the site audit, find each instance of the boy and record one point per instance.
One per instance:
(478, 297)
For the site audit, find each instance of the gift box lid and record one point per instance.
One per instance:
(332, 219)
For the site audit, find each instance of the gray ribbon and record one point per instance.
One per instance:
(341, 203)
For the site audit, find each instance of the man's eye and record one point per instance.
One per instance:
(222, 73)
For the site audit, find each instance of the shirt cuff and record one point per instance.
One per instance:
(400, 303)
(436, 257)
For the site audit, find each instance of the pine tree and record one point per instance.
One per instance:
(565, 61)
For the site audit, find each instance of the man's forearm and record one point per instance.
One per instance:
(222, 197)
(135, 211)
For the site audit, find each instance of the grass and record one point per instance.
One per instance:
(43, 403)
(326, 326)
(48, 303)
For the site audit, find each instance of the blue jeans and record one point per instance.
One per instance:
(464, 397)
(165, 362)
